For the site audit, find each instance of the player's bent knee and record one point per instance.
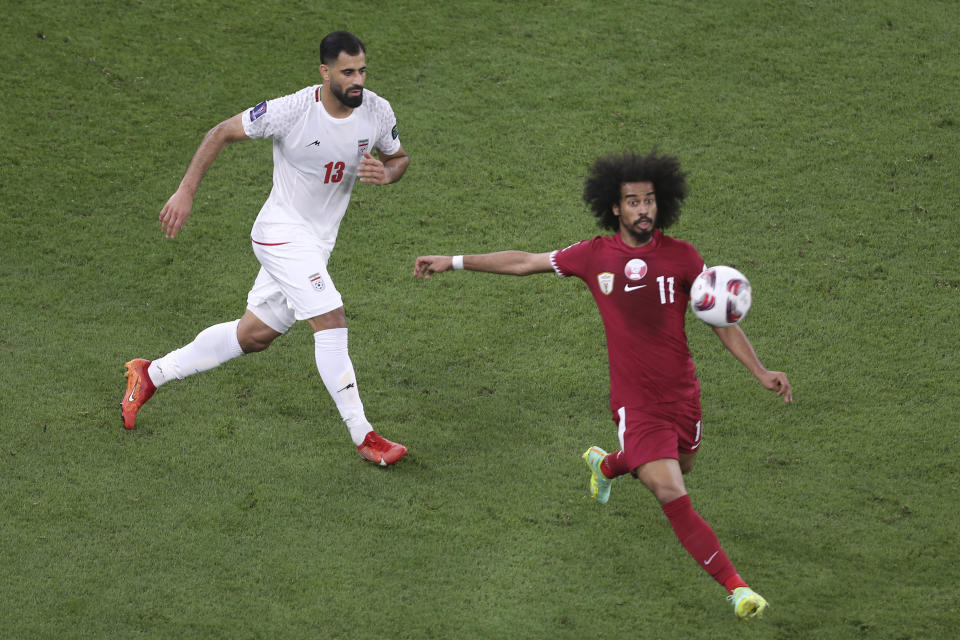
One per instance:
(336, 319)
(254, 334)
(663, 489)
(252, 341)
(252, 345)
(666, 495)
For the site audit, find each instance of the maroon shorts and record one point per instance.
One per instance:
(658, 431)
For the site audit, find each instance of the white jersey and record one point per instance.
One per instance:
(315, 161)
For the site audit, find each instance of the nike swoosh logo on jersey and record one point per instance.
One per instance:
(628, 288)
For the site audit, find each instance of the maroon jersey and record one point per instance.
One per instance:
(642, 295)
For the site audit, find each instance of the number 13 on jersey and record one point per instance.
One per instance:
(334, 173)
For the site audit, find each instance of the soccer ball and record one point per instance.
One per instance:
(721, 296)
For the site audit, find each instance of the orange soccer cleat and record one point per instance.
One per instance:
(139, 389)
(378, 450)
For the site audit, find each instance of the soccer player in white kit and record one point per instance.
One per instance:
(323, 136)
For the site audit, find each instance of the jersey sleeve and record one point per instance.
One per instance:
(388, 135)
(571, 261)
(695, 265)
(274, 118)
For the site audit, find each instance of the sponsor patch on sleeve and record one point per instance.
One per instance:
(395, 132)
(258, 111)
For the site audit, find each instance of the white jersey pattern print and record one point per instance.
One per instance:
(315, 161)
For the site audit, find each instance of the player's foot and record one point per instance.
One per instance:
(747, 603)
(599, 483)
(139, 389)
(379, 450)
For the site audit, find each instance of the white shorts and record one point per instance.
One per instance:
(293, 284)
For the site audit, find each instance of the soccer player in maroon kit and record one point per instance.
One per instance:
(640, 280)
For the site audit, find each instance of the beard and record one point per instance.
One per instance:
(642, 236)
(341, 95)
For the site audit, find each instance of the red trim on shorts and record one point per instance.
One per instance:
(268, 244)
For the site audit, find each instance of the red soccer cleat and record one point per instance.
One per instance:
(379, 450)
(139, 389)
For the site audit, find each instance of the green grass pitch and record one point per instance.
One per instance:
(821, 142)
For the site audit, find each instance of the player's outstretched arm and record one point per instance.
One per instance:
(516, 263)
(177, 209)
(735, 340)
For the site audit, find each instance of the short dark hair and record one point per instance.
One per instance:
(601, 189)
(334, 43)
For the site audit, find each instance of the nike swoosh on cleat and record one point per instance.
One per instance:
(710, 559)
(131, 398)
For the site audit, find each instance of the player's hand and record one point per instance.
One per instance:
(425, 266)
(175, 213)
(777, 381)
(371, 170)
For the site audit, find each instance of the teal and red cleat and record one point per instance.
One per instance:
(139, 389)
(599, 483)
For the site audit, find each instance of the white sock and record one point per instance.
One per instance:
(212, 347)
(336, 369)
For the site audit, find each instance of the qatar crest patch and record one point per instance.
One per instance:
(605, 280)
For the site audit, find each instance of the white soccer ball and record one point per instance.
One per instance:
(721, 296)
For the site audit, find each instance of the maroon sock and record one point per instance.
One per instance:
(734, 582)
(614, 464)
(699, 540)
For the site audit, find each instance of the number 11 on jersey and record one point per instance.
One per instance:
(665, 283)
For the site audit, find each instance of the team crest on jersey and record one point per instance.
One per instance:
(362, 145)
(258, 111)
(317, 281)
(395, 132)
(635, 270)
(605, 280)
